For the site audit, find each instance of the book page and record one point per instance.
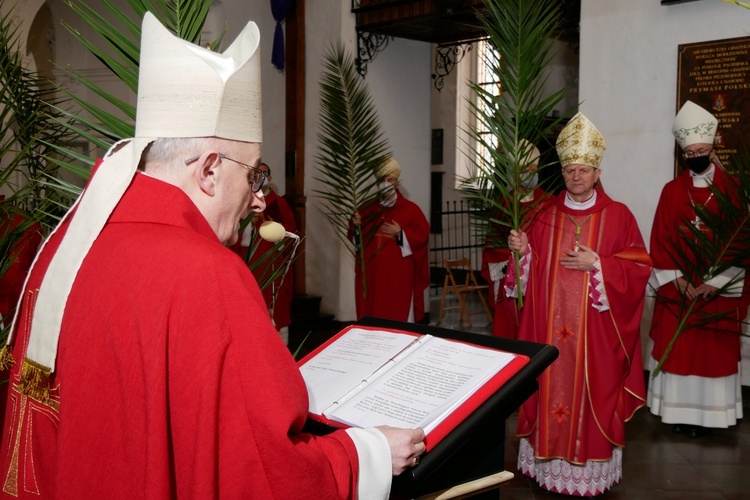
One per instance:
(425, 387)
(346, 362)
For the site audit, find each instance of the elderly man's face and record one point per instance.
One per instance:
(580, 180)
(237, 200)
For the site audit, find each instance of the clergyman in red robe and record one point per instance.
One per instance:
(699, 386)
(585, 269)
(277, 210)
(144, 360)
(397, 269)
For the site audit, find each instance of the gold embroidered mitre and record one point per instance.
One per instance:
(580, 142)
(694, 125)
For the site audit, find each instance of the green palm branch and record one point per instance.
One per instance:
(28, 125)
(700, 253)
(351, 148)
(117, 47)
(521, 34)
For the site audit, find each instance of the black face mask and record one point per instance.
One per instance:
(698, 164)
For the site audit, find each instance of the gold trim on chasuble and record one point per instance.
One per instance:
(563, 401)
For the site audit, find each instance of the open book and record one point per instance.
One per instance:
(367, 376)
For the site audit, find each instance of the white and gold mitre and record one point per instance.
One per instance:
(187, 91)
(580, 142)
(694, 125)
(390, 167)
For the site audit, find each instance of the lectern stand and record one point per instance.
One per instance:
(476, 448)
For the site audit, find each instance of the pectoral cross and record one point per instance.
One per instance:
(697, 222)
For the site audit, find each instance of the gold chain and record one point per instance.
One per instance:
(578, 227)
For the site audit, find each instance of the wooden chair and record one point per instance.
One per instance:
(469, 284)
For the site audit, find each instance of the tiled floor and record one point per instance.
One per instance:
(657, 463)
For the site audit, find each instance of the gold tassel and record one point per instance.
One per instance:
(6, 357)
(35, 380)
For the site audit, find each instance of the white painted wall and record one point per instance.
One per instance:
(398, 79)
(628, 86)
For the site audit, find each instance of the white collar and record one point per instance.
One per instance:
(704, 179)
(389, 203)
(583, 205)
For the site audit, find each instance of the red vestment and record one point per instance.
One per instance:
(170, 381)
(392, 280)
(20, 257)
(278, 210)
(596, 384)
(712, 350)
(505, 322)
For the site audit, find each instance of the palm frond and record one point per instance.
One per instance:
(351, 146)
(520, 33)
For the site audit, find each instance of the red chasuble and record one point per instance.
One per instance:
(597, 383)
(278, 210)
(170, 380)
(392, 279)
(506, 317)
(712, 350)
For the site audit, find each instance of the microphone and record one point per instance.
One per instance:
(273, 232)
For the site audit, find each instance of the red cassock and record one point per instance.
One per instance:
(506, 317)
(597, 382)
(392, 279)
(277, 210)
(712, 350)
(170, 380)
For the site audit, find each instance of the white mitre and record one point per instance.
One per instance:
(184, 90)
(694, 125)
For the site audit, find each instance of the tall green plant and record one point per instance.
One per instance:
(351, 147)
(513, 111)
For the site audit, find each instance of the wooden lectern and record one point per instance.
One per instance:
(475, 450)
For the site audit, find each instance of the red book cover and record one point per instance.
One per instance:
(404, 338)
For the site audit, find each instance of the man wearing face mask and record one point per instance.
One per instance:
(699, 385)
(396, 270)
(495, 256)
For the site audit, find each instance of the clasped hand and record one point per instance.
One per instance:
(581, 259)
(390, 228)
(694, 292)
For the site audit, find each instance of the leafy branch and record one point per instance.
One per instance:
(351, 148)
(512, 111)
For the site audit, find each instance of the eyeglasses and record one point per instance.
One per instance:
(256, 177)
(698, 152)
